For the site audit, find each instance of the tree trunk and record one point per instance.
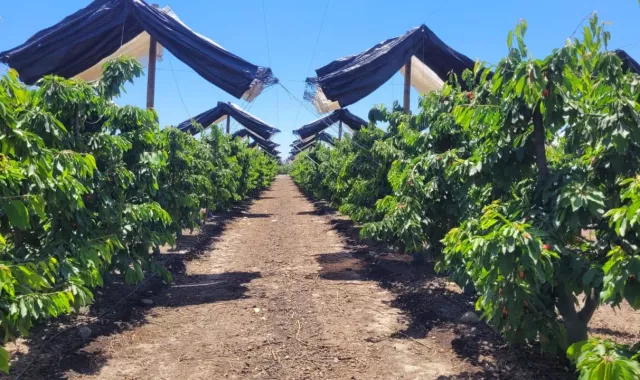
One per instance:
(576, 322)
(539, 137)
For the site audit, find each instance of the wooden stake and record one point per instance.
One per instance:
(228, 124)
(340, 130)
(151, 72)
(407, 87)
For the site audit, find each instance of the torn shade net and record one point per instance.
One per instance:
(347, 80)
(350, 120)
(83, 39)
(224, 110)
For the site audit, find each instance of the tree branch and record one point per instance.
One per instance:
(591, 303)
(565, 304)
(539, 144)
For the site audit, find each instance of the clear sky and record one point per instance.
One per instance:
(475, 28)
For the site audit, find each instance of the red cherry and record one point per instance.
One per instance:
(521, 275)
(546, 247)
(469, 95)
(505, 312)
(545, 93)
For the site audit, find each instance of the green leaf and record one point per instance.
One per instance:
(17, 213)
(4, 360)
(520, 85)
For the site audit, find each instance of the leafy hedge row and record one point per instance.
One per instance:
(523, 181)
(89, 188)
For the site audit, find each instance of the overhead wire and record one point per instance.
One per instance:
(175, 79)
(266, 37)
(313, 54)
(317, 114)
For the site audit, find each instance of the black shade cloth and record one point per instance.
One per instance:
(322, 136)
(349, 79)
(84, 38)
(628, 63)
(271, 150)
(304, 147)
(250, 122)
(343, 114)
(247, 133)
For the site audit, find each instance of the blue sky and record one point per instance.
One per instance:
(475, 28)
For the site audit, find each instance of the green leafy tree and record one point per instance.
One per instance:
(558, 141)
(88, 187)
(529, 181)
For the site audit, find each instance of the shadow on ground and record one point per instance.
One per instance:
(54, 348)
(431, 306)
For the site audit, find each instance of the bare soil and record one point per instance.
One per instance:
(282, 289)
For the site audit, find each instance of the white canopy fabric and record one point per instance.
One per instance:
(322, 104)
(137, 48)
(423, 79)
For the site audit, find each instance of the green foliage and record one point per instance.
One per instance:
(604, 360)
(352, 175)
(285, 168)
(522, 181)
(88, 187)
(557, 138)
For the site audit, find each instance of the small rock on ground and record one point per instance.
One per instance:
(469, 317)
(84, 332)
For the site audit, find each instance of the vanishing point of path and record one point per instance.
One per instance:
(261, 304)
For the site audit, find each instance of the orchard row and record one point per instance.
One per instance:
(89, 188)
(522, 181)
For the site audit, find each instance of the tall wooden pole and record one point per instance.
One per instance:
(228, 124)
(151, 74)
(340, 130)
(407, 87)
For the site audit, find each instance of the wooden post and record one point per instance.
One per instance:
(407, 87)
(151, 72)
(228, 124)
(340, 130)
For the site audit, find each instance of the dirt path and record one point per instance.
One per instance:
(283, 289)
(283, 295)
(257, 307)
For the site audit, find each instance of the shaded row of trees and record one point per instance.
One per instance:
(89, 188)
(521, 180)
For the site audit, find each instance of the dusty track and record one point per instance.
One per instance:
(257, 307)
(283, 291)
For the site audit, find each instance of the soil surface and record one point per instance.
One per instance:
(282, 290)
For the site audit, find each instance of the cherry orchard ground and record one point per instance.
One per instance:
(283, 291)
